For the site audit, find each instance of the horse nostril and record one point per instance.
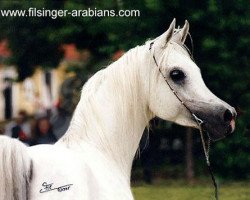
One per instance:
(228, 116)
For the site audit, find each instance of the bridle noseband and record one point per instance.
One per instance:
(199, 122)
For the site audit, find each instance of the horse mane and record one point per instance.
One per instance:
(118, 83)
(123, 76)
(114, 106)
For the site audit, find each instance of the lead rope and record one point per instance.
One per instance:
(200, 122)
(206, 150)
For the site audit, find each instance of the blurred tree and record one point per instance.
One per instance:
(30, 38)
(37, 40)
(189, 156)
(221, 31)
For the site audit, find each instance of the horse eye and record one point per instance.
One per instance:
(177, 75)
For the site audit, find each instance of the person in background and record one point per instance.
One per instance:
(20, 128)
(43, 131)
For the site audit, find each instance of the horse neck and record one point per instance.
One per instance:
(113, 111)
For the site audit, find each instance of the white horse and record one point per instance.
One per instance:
(93, 159)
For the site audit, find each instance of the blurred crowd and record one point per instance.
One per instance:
(43, 128)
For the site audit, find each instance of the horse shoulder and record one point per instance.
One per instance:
(61, 170)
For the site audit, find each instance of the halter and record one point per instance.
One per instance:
(199, 122)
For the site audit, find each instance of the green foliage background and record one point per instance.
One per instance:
(220, 31)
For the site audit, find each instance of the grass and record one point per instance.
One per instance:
(179, 190)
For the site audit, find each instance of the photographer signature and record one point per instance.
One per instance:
(48, 187)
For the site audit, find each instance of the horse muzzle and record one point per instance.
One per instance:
(217, 131)
(218, 120)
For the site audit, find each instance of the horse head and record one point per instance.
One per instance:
(178, 92)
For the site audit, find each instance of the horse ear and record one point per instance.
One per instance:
(163, 39)
(181, 35)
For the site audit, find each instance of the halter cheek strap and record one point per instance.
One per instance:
(197, 119)
(199, 122)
